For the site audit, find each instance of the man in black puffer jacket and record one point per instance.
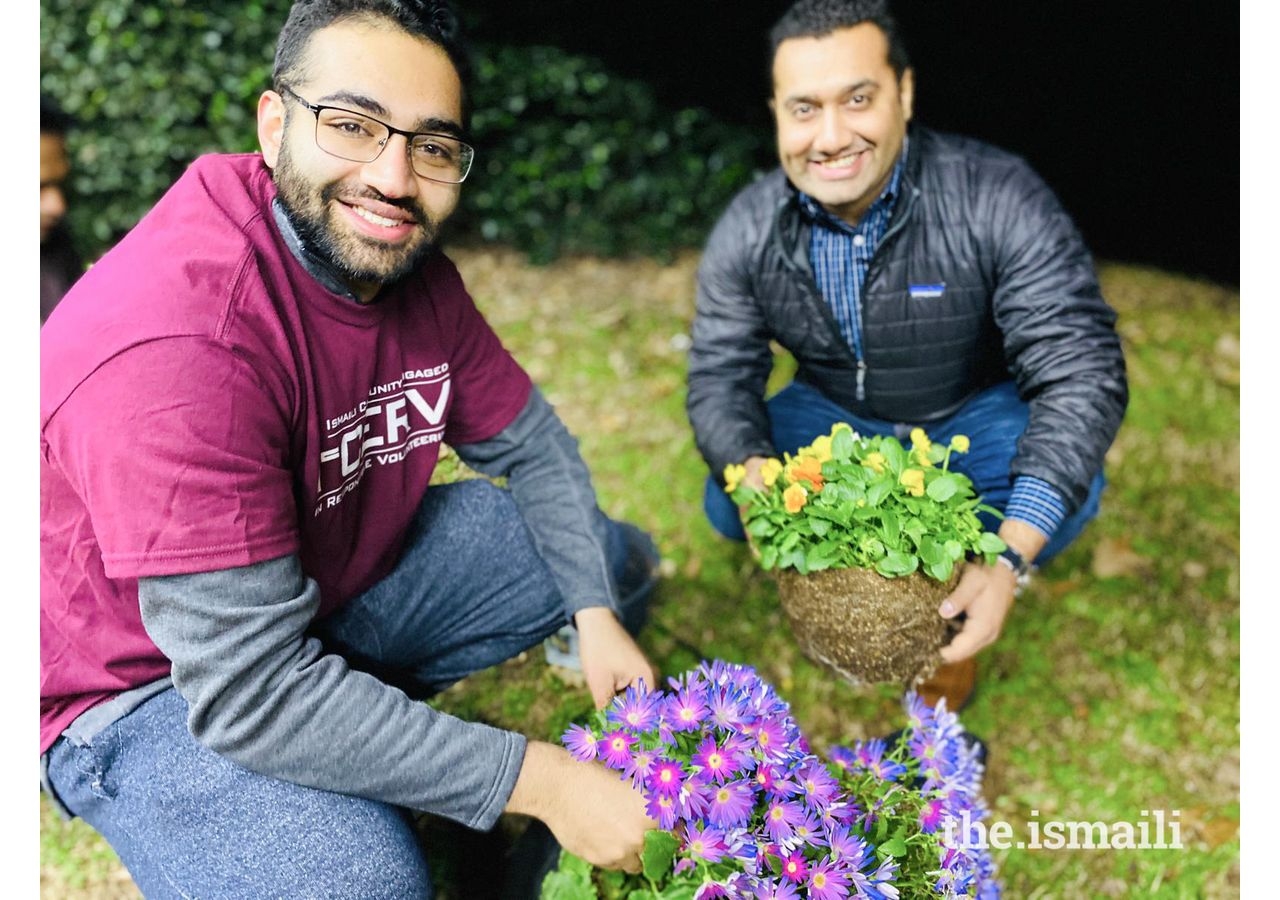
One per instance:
(919, 280)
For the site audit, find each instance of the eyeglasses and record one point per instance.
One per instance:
(359, 138)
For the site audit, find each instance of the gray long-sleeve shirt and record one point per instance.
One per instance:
(269, 697)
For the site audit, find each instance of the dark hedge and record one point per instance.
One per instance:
(570, 157)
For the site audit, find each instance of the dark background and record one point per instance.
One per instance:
(1130, 110)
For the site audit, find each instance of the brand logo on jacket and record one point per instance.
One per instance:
(926, 291)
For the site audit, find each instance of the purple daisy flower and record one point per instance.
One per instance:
(847, 848)
(870, 756)
(581, 742)
(795, 867)
(808, 832)
(771, 739)
(776, 890)
(729, 805)
(706, 842)
(686, 710)
(919, 713)
(726, 709)
(712, 891)
(662, 809)
(666, 777)
(817, 784)
(774, 782)
(715, 763)
(842, 758)
(826, 882)
(636, 709)
(931, 816)
(882, 878)
(640, 766)
(840, 814)
(780, 819)
(615, 748)
(692, 803)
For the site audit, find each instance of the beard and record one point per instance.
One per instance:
(356, 257)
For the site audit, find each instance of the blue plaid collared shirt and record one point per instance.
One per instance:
(840, 254)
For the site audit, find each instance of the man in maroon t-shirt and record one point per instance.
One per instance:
(246, 584)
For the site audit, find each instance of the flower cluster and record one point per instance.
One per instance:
(750, 812)
(847, 501)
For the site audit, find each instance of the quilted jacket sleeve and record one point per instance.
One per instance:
(1060, 341)
(730, 358)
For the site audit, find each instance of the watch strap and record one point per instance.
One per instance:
(1013, 559)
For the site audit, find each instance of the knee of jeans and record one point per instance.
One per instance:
(635, 574)
(375, 864)
(721, 512)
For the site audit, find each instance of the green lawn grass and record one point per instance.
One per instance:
(1115, 687)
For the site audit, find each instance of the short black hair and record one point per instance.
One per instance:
(434, 20)
(53, 118)
(818, 18)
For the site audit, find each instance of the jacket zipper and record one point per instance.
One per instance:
(860, 391)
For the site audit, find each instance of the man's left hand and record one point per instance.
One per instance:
(611, 660)
(985, 593)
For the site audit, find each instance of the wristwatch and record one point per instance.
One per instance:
(1013, 559)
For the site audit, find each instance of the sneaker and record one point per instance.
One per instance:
(562, 649)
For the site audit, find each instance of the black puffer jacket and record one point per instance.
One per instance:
(1021, 301)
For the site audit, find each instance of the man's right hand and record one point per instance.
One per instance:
(754, 479)
(590, 809)
(753, 464)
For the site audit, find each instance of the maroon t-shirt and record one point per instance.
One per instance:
(205, 403)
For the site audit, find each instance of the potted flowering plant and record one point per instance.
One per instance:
(864, 537)
(746, 809)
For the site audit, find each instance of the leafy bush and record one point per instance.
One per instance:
(571, 158)
(576, 159)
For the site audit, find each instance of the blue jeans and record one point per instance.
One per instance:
(469, 592)
(993, 420)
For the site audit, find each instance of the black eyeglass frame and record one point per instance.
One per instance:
(469, 151)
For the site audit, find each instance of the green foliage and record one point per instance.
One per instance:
(573, 159)
(570, 158)
(865, 502)
(576, 879)
(152, 86)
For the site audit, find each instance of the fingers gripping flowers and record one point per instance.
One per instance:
(749, 811)
(847, 501)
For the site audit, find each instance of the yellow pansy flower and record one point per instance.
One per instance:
(875, 462)
(770, 471)
(913, 479)
(960, 443)
(920, 439)
(794, 498)
(733, 475)
(820, 449)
